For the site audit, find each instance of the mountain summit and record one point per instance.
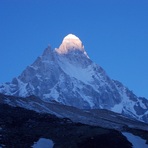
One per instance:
(71, 44)
(68, 76)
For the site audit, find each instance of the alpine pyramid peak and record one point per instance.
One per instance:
(66, 75)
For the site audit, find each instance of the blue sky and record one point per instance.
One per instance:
(114, 33)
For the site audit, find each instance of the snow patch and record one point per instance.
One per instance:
(43, 143)
(54, 94)
(117, 108)
(136, 141)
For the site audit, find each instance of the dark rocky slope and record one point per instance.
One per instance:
(20, 128)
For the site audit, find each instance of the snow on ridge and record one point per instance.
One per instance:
(142, 104)
(125, 104)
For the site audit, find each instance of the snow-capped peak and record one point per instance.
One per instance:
(66, 75)
(71, 43)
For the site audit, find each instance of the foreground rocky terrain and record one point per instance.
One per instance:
(21, 128)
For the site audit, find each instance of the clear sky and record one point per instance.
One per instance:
(114, 33)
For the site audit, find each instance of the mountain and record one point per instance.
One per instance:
(68, 76)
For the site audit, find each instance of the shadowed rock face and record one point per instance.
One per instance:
(21, 128)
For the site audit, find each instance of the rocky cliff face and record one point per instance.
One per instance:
(68, 76)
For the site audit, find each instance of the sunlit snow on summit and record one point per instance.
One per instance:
(71, 43)
(71, 36)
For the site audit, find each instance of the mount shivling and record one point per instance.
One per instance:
(65, 82)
